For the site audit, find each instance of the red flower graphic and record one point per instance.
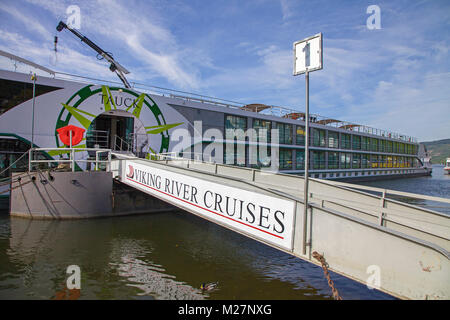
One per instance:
(77, 134)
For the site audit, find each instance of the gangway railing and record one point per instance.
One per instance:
(354, 230)
(381, 210)
(385, 192)
(71, 160)
(199, 158)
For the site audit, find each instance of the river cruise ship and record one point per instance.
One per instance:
(148, 120)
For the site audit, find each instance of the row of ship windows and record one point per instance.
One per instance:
(320, 137)
(320, 160)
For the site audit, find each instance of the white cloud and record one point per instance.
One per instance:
(31, 23)
(152, 47)
(286, 9)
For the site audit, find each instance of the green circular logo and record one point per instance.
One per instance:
(93, 100)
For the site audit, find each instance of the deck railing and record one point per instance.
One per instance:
(71, 151)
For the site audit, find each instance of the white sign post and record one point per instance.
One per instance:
(307, 57)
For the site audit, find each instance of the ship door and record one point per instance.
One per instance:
(111, 131)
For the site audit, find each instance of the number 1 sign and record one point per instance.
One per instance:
(308, 54)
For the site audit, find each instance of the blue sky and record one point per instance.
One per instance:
(395, 78)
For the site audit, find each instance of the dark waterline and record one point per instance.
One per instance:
(167, 256)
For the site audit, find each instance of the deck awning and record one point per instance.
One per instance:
(327, 121)
(350, 126)
(295, 115)
(255, 107)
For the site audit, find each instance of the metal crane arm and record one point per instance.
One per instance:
(114, 67)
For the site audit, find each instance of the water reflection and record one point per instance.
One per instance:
(154, 256)
(149, 277)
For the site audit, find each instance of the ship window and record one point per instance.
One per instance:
(382, 160)
(381, 144)
(410, 149)
(409, 162)
(374, 160)
(395, 147)
(365, 143)
(260, 126)
(389, 146)
(373, 144)
(285, 159)
(345, 160)
(285, 133)
(318, 158)
(389, 161)
(333, 160)
(13, 145)
(10, 150)
(318, 137)
(333, 139)
(300, 135)
(235, 127)
(235, 130)
(300, 159)
(356, 142)
(365, 161)
(356, 161)
(396, 162)
(345, 141)
(13, 93)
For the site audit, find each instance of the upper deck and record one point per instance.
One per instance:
(282, 113)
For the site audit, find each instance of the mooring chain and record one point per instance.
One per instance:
(321, 259)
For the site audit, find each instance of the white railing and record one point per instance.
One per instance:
(71, 160)
(384, 192)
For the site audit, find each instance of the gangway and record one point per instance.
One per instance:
(395, 247)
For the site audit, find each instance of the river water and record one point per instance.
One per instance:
(168, 256)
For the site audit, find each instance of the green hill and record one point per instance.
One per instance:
(439, 150)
